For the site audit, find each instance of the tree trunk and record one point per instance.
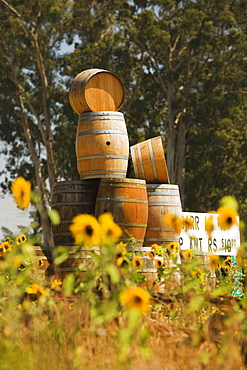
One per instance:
(180, 168)
(48, 137)
(171, 134)
(45, 221)
(46, 131)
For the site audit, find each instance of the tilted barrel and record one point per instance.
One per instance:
(149, 161)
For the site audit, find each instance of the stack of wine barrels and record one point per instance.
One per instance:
(149, 163)
(138, 204)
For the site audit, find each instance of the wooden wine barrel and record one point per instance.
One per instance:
(149, 161)
(126, 199)
(96, 90)
(162, 199)
(69, 198)
(102, 145)
(78, 256)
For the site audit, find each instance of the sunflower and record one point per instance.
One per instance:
(150, 254)
(2, 250)
(135, 298)
(120, 250)
(173, 222)
(85, 230)
(55, 283)
(121, 245)
(122, 262)
(187, 254)
(227, 217)
(155, 248)
(137, 262)
(158, 263)
(188, 223)
(209, 225)
(21, 239)
(110, 230)
(21, 190)
(228, 261)
(7, 246)
(173, 248)
(36, 291)
(199, 274)
(214, 262)
(39, 262)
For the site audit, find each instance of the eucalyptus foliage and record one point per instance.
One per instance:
(183, 66)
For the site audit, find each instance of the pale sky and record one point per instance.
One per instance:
(11, 216)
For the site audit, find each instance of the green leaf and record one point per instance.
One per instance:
(196, 303)
(113, 272)
(229, 201)
(54, 216)
(62, 255)
(68, 284)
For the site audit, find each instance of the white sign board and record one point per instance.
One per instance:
(221, 242)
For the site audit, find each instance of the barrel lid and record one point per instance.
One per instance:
(96, 90)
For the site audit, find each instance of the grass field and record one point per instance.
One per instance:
(100, 309)
(89, 321)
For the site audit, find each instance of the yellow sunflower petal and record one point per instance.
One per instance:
(227, 217)
(21, 190)
(137, 262)
(85, 230)
(135, 298)
(110, 230)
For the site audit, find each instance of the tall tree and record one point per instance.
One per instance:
(183, 66)
(193, 52)
(32, 33)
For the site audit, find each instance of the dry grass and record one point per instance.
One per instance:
(68, 342)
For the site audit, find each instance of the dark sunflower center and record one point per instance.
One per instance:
(109, 232)
(138, 263)
(229, 220)
(89, 230)
(124, 264)
(137, 299)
